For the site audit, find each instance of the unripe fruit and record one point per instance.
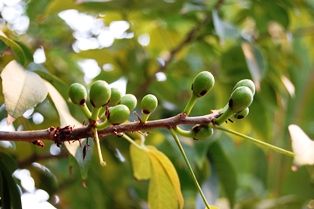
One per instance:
(115, 97)
(149, 104)
(129, 100)
(77, 93)
(203, 82)
(240, 99)
(99, 93)
(118, 114)
(242, 114)
(200, 132)
(245, 82)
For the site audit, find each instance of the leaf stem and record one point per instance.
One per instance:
(258, 142)
(85, 110)
(95, 113)
(189, 106)
(101, 160)
(182, 132)
(133, 142)
(174, 135)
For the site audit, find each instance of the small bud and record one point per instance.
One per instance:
(129, 100)
(203, 82)
(149, 104)
(240, 99)
(200, 132)
(118, 114)
(245, 82)
(115, 97)
(99, 93)
(242, 114)
(77, 93)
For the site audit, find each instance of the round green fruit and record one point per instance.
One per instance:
(200, 132)
(240, 99)
(242, 114)
(129, 100)
(202, 83)
(77, 93)
(149, 104)
(115, 97)
(118, 114)
(99, 93)
(245, 82)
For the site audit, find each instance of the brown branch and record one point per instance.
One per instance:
(188, 38)
(59, 135)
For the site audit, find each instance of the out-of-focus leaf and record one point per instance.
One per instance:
(16, 48)
(45, 179)
(302, 145)
(164, 188)
(10, 198)
(224, 29)
(140, 163)
(255, 62)
(74, 148)
(22, 89)
(225, 171)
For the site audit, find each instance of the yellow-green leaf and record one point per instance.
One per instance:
(140, 163)
(66, 118)
(22, 89)
(164, 188)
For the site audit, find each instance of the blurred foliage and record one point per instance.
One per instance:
(270, 42)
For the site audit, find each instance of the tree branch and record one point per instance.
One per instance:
(68, 133)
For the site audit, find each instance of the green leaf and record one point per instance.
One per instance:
(22, 89)
(164, 188)
(15, 47)
(225, 171)
(73, 147)
(255, 62)
(140, 163)
(10, 198)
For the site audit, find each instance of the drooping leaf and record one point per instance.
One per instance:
(140, 163)
(164, 188)
(75, 148)
(225, 171)
(255, 62)
(22, 89)
(15, 47)
(10, 198)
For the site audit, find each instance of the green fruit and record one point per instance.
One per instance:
(99, 93)
(149, 104)
(242, 114)
(115, 97)
(77, 93)
(203, 82)
(129, 100)
(240, 99)
(200, 132)
(245, 82)
(118, 114)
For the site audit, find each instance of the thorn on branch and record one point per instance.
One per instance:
(39, 142)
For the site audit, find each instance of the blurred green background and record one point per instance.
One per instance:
(157, 47)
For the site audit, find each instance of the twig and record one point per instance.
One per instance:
(60, 135)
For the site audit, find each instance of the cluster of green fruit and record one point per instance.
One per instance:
(108, 103)
(236, 108)
(108, 107)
